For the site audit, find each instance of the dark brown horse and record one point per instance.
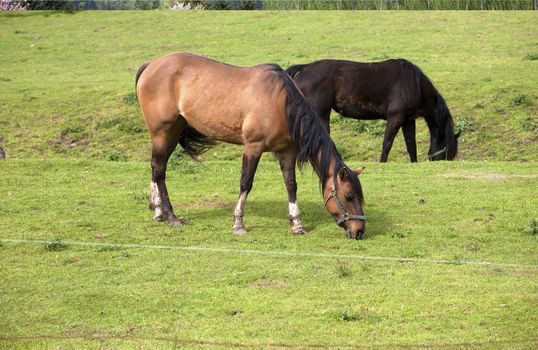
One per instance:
(193, 101)
(394, 90)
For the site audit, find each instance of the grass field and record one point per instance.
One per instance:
(450, 258)
(148, 298)
(66, 80)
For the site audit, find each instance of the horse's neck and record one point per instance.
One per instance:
(329, 169)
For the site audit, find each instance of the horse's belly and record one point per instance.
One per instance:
(360, 111)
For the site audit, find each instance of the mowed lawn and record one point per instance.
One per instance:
(440, 215)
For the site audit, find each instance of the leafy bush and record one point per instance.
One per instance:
(55, 246)
(530, 124)
(464, 126)
(131, 99)
(532, 56)
(520, 100)
(531, 228)
(13, 5)
(372, 127)
(116, 156)
(108, 123)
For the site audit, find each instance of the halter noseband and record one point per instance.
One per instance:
(441, 151)
(344, 214)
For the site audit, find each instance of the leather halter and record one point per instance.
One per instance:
(344, 214)
(441, 151)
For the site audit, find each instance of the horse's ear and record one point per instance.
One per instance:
(458, 134)
(342, 174)
(359, 170)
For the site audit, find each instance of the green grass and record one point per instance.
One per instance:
(74, 138)
(66, 80)
(117, 297)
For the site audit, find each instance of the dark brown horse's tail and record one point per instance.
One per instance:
(294, 70)
(194, 142)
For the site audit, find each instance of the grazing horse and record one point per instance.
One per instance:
(195, 101)
(394, 90)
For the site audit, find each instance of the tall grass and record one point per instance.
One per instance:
(399, 4)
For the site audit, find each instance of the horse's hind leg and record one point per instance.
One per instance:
(394, 123)
(163, 142)
(287, 165)
(251, 158)
(408, 129)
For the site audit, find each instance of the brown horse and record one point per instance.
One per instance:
(195, 101)
(395, 90)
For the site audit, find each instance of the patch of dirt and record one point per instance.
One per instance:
(272, 283)
(88, 333)
(64, 141)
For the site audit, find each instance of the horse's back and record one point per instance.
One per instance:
(222, 101)
(359, 89)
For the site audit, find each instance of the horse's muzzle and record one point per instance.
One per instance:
(358, 235)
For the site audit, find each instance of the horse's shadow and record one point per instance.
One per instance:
(313, 214)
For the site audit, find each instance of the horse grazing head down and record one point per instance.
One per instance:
(344, 200)
(444, 143)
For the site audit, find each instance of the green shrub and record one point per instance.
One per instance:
(532, 56)
(55, 245)
(520, 100)
(531, 228)
(116, 156)
(464, 125)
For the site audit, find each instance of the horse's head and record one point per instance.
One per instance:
(446, 149)
(344, 200)
(444, 142)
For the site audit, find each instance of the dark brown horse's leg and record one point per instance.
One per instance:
(394, 123)
(163, 144)
(408, 129)
(251, 158)
(287, 165)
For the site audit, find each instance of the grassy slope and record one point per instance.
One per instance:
(471, 211)
(66, 80)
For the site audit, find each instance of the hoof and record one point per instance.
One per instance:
(299, 230)
(159, 218)
(240, 230)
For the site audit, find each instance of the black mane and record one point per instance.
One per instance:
(310, 137)
(442, 116)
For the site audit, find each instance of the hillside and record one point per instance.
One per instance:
(67, 80)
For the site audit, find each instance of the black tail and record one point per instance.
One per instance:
(194, 142)
(140, 71)
(293, 70)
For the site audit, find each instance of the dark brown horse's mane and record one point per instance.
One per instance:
(310, 137)
(442, 116)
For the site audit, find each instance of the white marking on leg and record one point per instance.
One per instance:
(156, 199)
(239, 227)
(295, 218)
(293, 209)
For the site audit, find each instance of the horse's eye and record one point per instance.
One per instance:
(348, 197)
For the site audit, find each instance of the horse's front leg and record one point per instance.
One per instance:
(408, 129)
(251, 158)
(287, 165)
